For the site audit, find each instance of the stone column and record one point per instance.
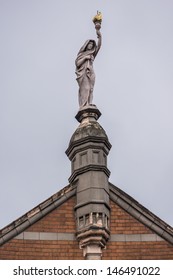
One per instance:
(87, 151)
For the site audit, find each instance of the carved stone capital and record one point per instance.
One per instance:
(90, 111)
(92, 241)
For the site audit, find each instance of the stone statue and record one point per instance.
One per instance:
(84, 65)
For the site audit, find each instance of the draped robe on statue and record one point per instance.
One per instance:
(85, 73)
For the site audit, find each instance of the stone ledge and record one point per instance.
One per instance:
(46, 236)
(135, 238)
(71, 236)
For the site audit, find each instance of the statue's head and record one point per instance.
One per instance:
(91, 45)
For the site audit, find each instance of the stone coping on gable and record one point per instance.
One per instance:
(142, 214)
(28, 219)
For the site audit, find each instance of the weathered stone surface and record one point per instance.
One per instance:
(88, 150)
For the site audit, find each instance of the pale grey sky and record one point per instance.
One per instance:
(38, 98)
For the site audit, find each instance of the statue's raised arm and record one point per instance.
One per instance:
(97, 21)
(84, 65)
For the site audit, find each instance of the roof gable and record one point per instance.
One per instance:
(122, 199)
(35, 214)
(142, 214)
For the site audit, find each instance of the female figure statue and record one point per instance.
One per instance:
(84, 69)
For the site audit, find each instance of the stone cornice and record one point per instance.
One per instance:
(88, 140)
(92, 202)
(90, 167)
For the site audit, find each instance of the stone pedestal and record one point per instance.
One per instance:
(87, 151)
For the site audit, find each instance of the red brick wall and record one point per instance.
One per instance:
(138, 251)
(62, 220)
(122, 223)
(40, 250)
(59, 220)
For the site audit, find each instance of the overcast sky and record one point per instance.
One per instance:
(38, 98)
